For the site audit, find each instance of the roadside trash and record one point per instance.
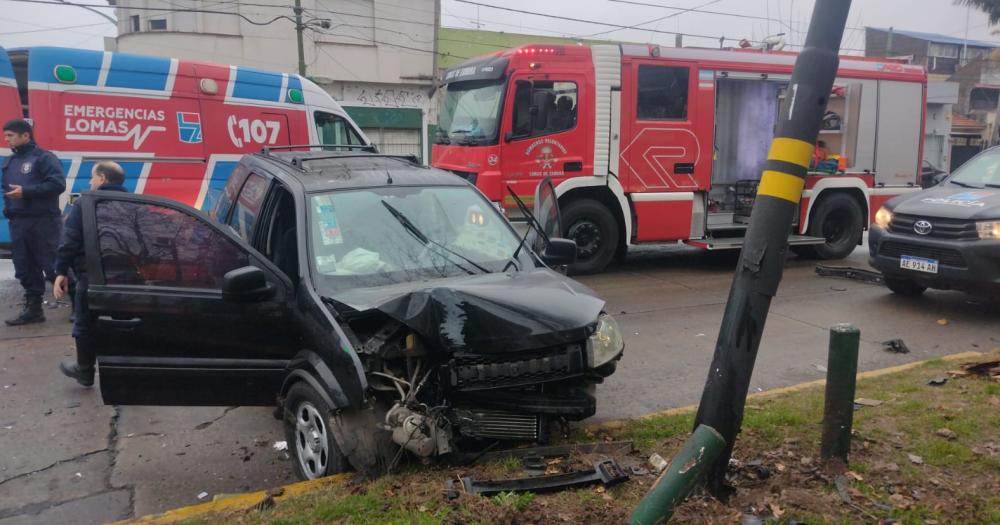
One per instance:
(606, 472)
(750, 519)
(821, 368)
(896, 346)
(843, 485)
(845, 272)
(854, 475)
(658, 463)
(638, 471)
(865, 402)
(946, 433)
(202, 495)
(986, 366)
(938, 381)
(915, 459)
(942, 322)
(79, 475)
(280, 445)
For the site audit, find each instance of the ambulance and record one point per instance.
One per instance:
(651, 144)
(177, 127)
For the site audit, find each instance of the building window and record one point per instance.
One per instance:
(943, 50)
(984, 99)
(663, 93)
(158, 24)
(134, 19)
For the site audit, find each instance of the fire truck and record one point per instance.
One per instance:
(651, 144)
(177, 127)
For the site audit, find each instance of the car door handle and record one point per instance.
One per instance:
(119, 323)
(684, 168)
(573, 166)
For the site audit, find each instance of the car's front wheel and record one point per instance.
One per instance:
(905, 287)
(307, 431)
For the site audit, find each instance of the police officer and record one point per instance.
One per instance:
(106, 176)
(33, 180)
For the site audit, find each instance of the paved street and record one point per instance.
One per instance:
(68, 458)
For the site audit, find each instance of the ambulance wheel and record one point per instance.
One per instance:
(838, 218)
(595, 230)
(308, 434)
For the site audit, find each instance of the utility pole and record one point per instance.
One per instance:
(763, 257)
(298, 37)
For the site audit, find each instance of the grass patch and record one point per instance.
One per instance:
(955, 480)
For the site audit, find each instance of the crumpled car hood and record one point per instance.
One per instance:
(488, 313)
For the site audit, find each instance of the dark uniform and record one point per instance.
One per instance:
(35, 222)
(71, 256)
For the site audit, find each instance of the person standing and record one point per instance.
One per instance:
(106, 176)
(33, 180)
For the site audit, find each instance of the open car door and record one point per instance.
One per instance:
(182, 311)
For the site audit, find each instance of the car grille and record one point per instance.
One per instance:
(945, 256)
(482, 371)
(957, 229)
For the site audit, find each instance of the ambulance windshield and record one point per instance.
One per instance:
(470, 114)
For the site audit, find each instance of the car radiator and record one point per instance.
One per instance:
(498, 424)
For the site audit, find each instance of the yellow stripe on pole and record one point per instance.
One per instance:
(781, 185)
(794, 151)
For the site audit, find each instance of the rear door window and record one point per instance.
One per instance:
(247, 206)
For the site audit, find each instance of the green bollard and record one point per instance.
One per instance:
(676, 482)
(841, 378)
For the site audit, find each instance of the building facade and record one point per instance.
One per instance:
(375, 57)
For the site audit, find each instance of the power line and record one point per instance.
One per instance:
(161, 10)
(64, 28)
(585, 21)
(707, 12)
(671, 15)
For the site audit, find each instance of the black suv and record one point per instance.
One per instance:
(382, 304)
(947, 236)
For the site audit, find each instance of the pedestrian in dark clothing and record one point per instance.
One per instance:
(33, 180)
(106, 176)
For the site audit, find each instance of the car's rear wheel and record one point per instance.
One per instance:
(310, 439)
(839, 219)
(595, 230)
(906, 287)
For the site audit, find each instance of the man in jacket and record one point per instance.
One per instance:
(33, 180)
(106, 176)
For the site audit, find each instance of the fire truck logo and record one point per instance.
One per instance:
(189, 127)
(546, 159)
(492, 159)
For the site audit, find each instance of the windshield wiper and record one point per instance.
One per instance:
(532, 224)
(964, 185)
(412, 228)
(990, 185)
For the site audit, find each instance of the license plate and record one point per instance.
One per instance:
(919, 264)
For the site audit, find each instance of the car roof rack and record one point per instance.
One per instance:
(299, 162)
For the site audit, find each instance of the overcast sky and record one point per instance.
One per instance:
(28, 24)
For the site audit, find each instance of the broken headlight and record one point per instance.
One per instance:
(606, 343)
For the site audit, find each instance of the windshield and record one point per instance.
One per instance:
(982, 171)
(470, 113)
(390, 235)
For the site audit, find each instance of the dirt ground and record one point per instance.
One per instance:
(921, 454)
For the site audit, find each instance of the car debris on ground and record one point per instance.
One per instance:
(846, 272)
(896, 346)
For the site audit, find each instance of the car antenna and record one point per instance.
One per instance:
(388, 176)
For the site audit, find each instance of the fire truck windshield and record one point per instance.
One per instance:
(470, 114)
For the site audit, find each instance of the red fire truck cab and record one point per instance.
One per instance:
(654, 144)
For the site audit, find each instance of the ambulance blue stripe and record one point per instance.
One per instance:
(42, 62)
(220, 174)
(255, 84)
(6, 70)
(294, 82)
(138, 72)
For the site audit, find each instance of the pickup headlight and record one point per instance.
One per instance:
(988, 229)
(606, 343)
(883, 217)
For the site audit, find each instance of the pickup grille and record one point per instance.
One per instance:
(956, 229)
(483, 371)
(945, 256)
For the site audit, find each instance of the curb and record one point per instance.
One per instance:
(240, 502)
(690, 409)
(236, 502)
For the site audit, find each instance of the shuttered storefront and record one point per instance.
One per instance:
(396, 131)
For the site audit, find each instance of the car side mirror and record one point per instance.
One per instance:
(559, 252)
(247, 285)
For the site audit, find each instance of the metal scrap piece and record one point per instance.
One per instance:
(607, 472)
(846, 272)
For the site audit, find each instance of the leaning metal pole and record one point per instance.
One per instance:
(762, 260)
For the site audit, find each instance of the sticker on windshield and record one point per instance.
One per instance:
(330, 231)
(966, 199)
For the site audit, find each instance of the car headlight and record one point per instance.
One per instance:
(988, 229)
(606, 343)
(883, 217)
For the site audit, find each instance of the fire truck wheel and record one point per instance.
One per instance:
(595, 231)
(838, 218)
